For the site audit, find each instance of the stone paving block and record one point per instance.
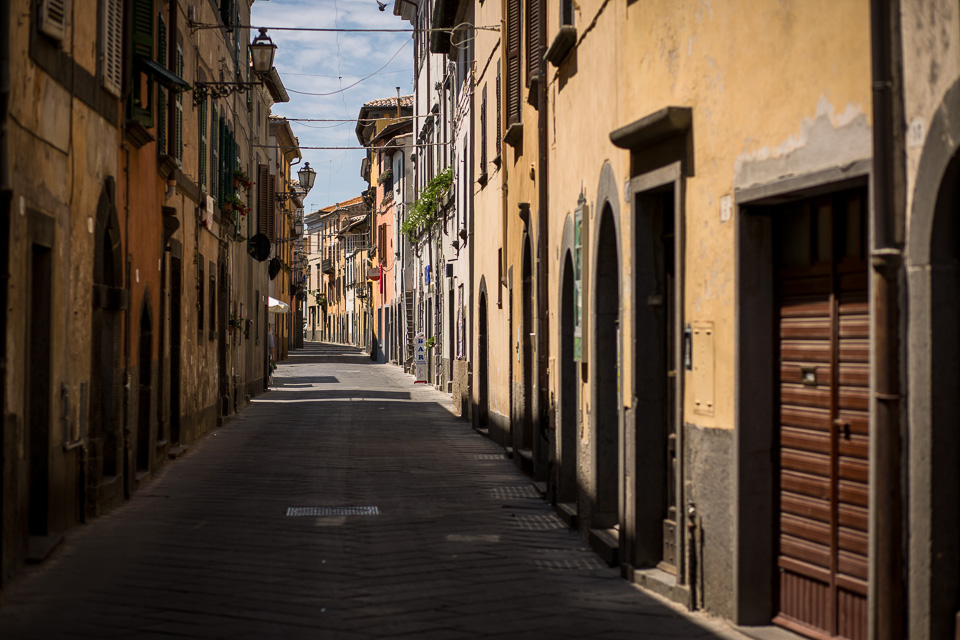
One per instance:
(463, 546)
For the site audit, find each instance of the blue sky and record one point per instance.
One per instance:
(323, 62)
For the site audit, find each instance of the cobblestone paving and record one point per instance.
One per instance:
(346, 503)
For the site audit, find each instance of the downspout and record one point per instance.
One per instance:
(543, 214)
(886, 591)
(6, 201)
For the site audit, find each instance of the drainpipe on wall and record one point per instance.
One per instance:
(886, 591)
(543, 339)
(6, 202)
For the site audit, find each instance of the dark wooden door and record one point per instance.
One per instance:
(823, 426)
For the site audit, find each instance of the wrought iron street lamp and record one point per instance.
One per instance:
(307, 175)
(262, 52)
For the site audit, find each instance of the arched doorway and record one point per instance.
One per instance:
(606, 369)
(105, 378)
(145, 369)
(567, 477)
(483, 390)
(938, 451)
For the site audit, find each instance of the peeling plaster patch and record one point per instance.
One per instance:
(829, 139)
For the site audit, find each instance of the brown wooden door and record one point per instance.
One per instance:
(824, 428)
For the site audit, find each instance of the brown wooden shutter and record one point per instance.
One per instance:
(263, 173)
(112, 62)
(513, 61)
(53, 18)
(272, 207)
(533, 39)
(499, 135)
(483, 130)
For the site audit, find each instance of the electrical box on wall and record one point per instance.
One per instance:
(703, 368)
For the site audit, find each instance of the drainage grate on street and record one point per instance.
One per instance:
(333, 511)
(570, 564)
(516, 491)
(538, 523)
(488, 456)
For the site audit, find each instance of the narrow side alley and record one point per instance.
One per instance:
(345, 503)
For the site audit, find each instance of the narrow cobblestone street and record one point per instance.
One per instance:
(431, 533)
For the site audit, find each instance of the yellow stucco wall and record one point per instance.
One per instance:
(774, 89)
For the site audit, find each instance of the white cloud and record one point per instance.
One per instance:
(334, 60)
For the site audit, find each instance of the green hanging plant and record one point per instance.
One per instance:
(423, 213)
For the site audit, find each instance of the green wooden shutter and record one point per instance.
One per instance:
(161, 92)
(141, 106)
(214, 157)
(178, 122)
(202, 173)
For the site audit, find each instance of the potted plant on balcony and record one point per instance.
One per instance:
(232, 202)
(241, 179)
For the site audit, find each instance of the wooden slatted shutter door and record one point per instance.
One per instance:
(263, 172)
(513, 62)
(112, 39)
(533, 39)
(824, 419)
(53, 18)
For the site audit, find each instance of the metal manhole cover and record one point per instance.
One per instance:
(521, 491)
(333, 511)
(570, 564)
(538, 523)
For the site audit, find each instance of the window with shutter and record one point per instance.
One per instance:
(111, 60)
(202, 164)
(499, 114)
(566, 13)
(141, 98)
(212, 293)
(513, 62)
(214, 154)
(53, 18)
(226, 11)
(483, 132)
(534, 53)
(272, 208)
(161, 92)
(178, 116)
(201, 279)
(263, 172)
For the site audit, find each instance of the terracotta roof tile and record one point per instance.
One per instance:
(405, 101)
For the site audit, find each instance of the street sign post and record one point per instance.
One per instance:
(420, 358)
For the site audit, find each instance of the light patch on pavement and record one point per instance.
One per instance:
(457, 537)
(332, 511)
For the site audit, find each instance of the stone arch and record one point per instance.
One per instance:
(605, 371)
(932, 261)
(483, 356)
(108, 302)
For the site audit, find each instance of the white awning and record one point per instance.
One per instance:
(277, 306)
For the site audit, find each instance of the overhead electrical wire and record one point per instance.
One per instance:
(198, 25)
(349, 86)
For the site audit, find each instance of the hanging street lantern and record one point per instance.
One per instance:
(262, 51)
